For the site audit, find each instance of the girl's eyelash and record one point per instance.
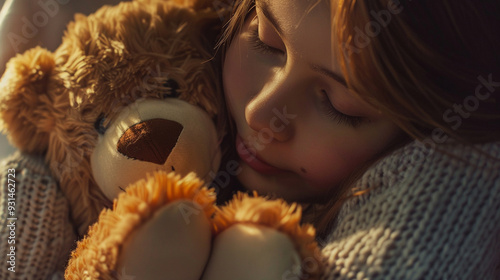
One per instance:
(341, 118)
(328, 108)
(260, 46)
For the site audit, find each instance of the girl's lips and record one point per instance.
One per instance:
(253, 161)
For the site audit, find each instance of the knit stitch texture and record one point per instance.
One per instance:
(43, 234)
(428, 214)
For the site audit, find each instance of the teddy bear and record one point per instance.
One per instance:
(60, 104)
(128, 115)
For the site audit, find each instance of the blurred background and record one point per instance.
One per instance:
(5, 148)
(48, 20)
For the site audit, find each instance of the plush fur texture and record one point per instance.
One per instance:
(49, 102)
(276, 214)
(52, 104)
(96, 256)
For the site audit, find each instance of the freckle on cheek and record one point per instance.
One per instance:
(303, 170)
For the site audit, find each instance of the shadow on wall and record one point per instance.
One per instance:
(5, 148)
(47, 34)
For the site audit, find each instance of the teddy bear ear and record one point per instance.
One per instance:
(27, 108)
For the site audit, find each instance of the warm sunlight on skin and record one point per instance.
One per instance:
(300, 131)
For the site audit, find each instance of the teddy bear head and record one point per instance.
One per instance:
(132, 89)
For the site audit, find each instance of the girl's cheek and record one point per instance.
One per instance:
(322, 178)
(234, 76)
(327, 169)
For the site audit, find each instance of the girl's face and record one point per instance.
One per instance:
(300, 130)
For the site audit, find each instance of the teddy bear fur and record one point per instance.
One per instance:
(50, 101)
(98, 254)
(52, 104)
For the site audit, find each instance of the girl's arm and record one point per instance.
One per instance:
(36, 234)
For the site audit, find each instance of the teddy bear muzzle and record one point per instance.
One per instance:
(151, 140)
(153, 135)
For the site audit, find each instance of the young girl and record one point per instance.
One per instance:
(381, 115)
(323, 95)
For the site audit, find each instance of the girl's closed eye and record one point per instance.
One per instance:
(260, 46)
(329, 110)
(271, 43)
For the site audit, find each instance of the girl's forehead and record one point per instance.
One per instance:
(304, 26)
(296, 14)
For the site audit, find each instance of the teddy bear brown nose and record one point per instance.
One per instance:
(151, 140)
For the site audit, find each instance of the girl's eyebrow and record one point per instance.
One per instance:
(263, 6)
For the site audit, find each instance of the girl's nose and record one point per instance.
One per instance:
(271, 112)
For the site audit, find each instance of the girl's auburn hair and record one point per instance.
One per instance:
(431, 66)
(426, 64)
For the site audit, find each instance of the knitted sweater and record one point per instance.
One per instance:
(38, 243)
(427, 215)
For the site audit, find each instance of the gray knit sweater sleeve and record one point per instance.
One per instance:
(428, 215)
(36, 236)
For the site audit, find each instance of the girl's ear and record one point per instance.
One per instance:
(30, 101)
